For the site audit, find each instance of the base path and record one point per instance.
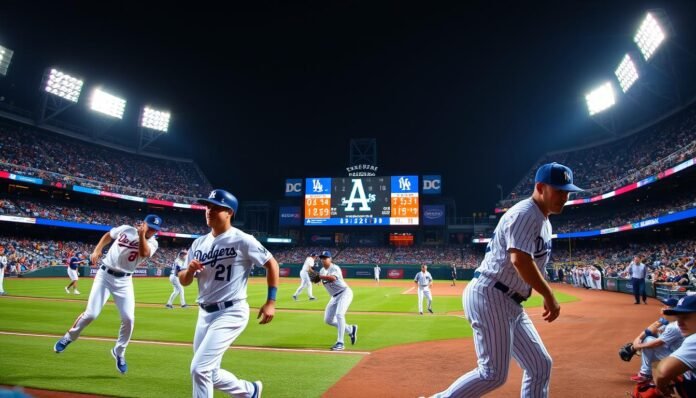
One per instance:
(583, 342)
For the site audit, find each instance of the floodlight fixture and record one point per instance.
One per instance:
(155, 119)
(108, 104)
(600, 98)
(649, 36)
(626, 73)
(63, 85)
(5, 59)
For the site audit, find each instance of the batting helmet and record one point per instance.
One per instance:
(220, 197)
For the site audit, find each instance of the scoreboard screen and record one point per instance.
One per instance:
(361, 201)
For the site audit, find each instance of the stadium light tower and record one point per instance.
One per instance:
(153, 123)
(626, 73)
(5, 59)
(600, 99)
(106, 103)
(60, 92)
(650, 36)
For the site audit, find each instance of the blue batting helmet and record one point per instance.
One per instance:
(220, 197)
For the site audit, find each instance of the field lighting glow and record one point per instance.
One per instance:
(600, 98)
(626, 73)
(63, 85)
(107, 104)
(649, 36)
(5, 59)
(156, 120)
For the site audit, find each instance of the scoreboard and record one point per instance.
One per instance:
(361, 201)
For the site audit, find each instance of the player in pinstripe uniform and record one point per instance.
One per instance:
(341, 297)
(221, 261)
(513, 265)
(178, 264)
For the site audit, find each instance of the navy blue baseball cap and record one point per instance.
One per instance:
(183, 252)
(685, 305)
(670, 302)
(557, 176)
(313, 254)
(325, 253)
(153, 221)
(220, 197)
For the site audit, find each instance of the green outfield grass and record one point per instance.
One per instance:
(157, 370)
(160, 371)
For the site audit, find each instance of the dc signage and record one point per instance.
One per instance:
(432, 185)
(293, 187)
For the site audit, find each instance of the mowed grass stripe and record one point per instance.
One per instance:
(163, 371)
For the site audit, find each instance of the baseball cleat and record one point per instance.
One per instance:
(312, 298)
(67, 291)
(61, 345)
(354, 335)
(169, 306)
(258, 388)
(430, 310)
(337, 347)
(184, 306)
(421, 312)
(76, 291)
(120, 362)
(294, 298)
(641, 378)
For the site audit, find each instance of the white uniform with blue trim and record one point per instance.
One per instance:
(502, 330)
(424, 279)
(121, 259)
(222, 289)
(177, 266)
(305, 283)
(341, 297)
(672, 339)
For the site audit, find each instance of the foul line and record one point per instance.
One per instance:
(169, 343)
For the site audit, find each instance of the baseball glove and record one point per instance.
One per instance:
(627, 352)
(314, 276)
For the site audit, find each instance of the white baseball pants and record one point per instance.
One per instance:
(215, 332)
(335, 313)
(305, 283)
(178, 290)
(124, 297)
(424, 292)
(501, 330)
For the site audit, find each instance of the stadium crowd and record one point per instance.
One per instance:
(606, 167)
(66, 211)
(27, 152)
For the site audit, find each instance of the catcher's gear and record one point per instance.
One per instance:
(627, 352)
(313, 276)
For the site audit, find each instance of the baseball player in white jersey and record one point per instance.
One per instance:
(221, 261)
(377, 271)
(515, 259)
(424, 280)
(177, 266)
(304, 277)
(341, 297)
(132, 246)
(3, 267)
(681, 362)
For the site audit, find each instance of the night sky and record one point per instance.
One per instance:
(475, 92)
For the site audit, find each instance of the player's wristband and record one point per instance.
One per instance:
(663, 321)
(647, 332)
(272, 291)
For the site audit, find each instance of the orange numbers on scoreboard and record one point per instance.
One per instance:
(317, 207)
(404, 206)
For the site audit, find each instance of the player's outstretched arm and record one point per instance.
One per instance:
(96, 254)
(267, 311)
(529, 272)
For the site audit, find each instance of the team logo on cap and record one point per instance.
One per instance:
(211, 195)
(156, 221)
(566, 175)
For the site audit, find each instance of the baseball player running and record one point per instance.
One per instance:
(177, 266)
(377, 270)
(132, 246)
(513, 265)
(221, 261)
(304, 277)
(3, 267)
(424, 280)
(341, 297)
(74, 262)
